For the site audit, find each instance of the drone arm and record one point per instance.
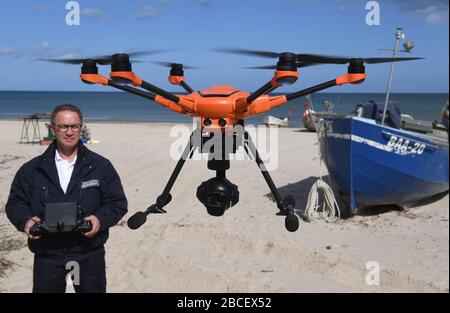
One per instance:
(158, 99)
(345, 79)
(179, 80)
(170, 104)
(186, 87)
(270, 90)
(132, 90)
(261, 105)
(261, 91)
(159, 91)
(162, 97)
(102, 80)
(311, 90)
(130, 77)
(278, 79)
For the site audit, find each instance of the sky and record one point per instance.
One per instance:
(191, 29)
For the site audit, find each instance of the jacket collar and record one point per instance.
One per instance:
(84, 158)
(83, 153)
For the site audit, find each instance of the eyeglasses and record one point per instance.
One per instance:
(63, 128)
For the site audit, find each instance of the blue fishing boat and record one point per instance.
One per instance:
(398, 163)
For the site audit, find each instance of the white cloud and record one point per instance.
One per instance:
(95, 14)
(341, 5)
(206, 3)
(146, 13)
(7, 51)
(43, 50)
(432, 12)
(433, 18)
(433, 15)
(65, 56)
(45, 45)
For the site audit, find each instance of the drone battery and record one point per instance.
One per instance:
(61, 216)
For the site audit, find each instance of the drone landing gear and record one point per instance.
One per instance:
(138, 219)
(218, 194)
(286, 205)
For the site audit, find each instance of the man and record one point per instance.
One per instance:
(67, 172)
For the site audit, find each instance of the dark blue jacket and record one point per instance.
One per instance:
(37, 182)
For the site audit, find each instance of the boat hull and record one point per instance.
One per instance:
(374, 165)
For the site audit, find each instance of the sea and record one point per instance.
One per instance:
(123, 107)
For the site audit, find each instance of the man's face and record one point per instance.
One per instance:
(66, 128)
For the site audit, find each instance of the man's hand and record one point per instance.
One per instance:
(95, 226)
(30, 224)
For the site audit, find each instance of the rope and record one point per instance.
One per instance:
(330, 211)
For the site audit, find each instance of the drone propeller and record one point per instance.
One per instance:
(312, 58)
(257, 53)
(344, 60)
(68, 61)
(273, 67)
(171, 64)
(104, 59)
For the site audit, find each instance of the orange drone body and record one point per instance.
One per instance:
(221, 103)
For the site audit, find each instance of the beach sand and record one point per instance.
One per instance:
(248, 249)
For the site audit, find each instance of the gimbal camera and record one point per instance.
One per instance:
(218, 194)
(219, 109)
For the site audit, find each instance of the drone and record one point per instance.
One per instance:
(221, 111)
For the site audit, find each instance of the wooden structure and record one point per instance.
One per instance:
(30, 127)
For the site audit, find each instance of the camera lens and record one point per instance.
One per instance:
(218, 194)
